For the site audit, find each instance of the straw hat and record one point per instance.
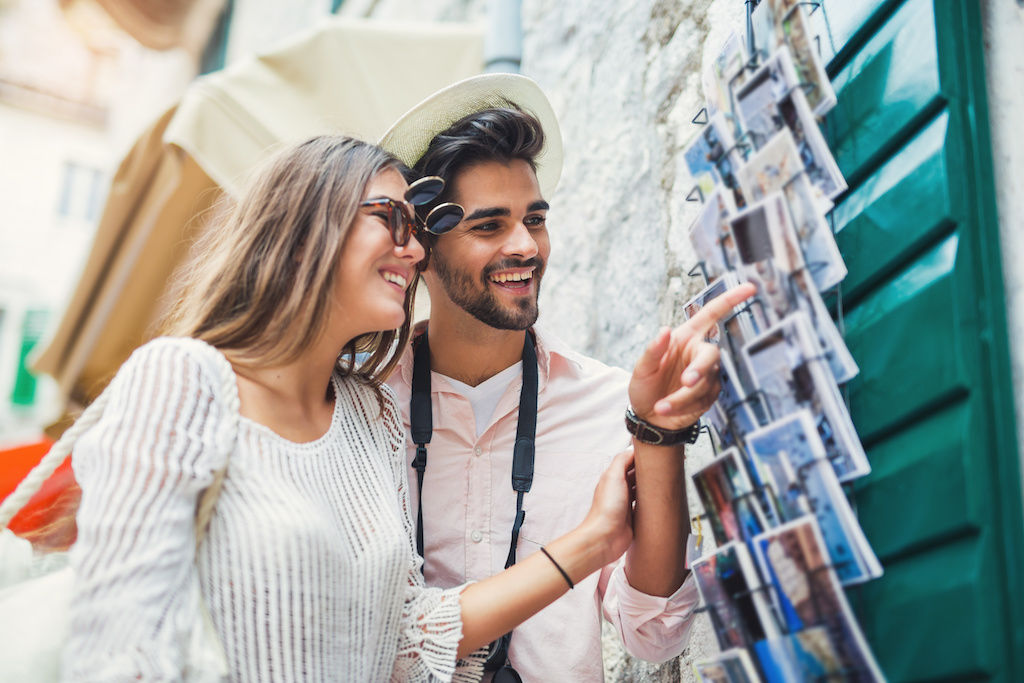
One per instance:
(410, 136)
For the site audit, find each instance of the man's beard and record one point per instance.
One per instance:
(477, 299)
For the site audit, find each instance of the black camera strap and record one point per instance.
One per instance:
(422, 428)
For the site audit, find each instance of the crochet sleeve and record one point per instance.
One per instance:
(142, 468)
(431, 626)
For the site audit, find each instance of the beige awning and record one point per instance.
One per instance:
(348, 76)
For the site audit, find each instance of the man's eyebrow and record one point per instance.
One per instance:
(539, 205)
(487, 213)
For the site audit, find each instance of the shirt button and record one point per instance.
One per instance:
(477, 451)
(476, 536)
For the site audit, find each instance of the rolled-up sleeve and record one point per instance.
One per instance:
(652, 628)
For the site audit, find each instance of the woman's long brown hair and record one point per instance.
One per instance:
(260, 281)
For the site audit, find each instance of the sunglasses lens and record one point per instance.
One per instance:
(443, 218)
(424, 190)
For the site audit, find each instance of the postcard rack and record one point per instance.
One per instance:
(777, 494)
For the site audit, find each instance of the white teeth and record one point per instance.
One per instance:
(511, 277)
(395, 277)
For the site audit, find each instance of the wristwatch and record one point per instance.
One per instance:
(645, 432)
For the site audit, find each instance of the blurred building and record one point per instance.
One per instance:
(75, 90)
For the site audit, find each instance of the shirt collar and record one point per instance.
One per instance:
(552, 354)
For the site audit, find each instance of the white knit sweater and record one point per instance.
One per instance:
(309, 568)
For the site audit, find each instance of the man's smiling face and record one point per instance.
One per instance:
(491, 264)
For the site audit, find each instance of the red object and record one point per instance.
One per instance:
(51, 502)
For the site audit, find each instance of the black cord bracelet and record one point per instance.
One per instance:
(558, 567)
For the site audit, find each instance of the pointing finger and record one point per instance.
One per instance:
(719, 307)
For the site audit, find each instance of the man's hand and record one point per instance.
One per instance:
(676, 379)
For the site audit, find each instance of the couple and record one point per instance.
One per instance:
(311, 567)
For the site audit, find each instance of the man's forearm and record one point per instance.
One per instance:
(655, 562)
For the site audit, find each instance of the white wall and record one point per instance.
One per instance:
(1003, 33)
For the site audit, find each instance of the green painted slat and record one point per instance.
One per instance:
(896, 210)
(904, 485)
(904, 370)
(934, 402)
(889, 83)
(925, 616)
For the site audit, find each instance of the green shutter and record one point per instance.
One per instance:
(33, 326)
(925, 314)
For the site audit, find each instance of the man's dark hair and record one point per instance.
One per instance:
(501, 134)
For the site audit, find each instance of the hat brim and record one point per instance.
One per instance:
(410, 136)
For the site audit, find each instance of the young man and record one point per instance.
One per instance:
(474, 367)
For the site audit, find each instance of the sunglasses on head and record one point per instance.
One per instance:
(401, 215)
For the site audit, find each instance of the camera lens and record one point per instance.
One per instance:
(506, 674)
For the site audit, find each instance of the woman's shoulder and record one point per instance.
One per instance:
(180, 363)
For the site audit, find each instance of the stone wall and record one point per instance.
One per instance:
(624, 79)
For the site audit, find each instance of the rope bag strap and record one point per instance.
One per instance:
(34, 480)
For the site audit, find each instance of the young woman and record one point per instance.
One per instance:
(308, 569)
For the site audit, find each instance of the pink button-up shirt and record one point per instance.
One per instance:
(469, 506)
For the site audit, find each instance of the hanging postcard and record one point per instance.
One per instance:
(732, 333)
(729, 666)
(823, 640)
(710, 234)
(724, 73)
(778, 23)
(712, 159)
(777, 167)
(771, 100)
(764, 241)
(729, 499)
(786, 364)
(793, 458)
(735, 413)
(731, 590)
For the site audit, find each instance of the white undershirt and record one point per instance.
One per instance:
(484, 397)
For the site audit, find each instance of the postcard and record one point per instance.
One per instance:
(764, 242)
(710, 234)
(724, 72)
(712, 158)
(796, 34)
(738, 330)
(772, 100)
(739, 324)
(807, 655)
(778, 23)
(777, 167)
(731, 590)
(793, 455)
(807, 595)
(764, 232)
(735, 413)
(730, 501)
(786, 365)
(729, 666)
(716, 287)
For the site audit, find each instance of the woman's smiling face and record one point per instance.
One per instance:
(374, 273)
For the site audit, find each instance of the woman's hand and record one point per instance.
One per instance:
(610, 518)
